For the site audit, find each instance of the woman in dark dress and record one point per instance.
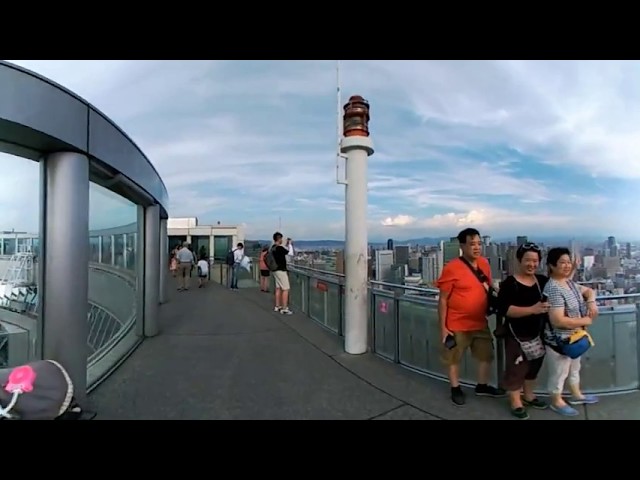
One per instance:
(525, 312)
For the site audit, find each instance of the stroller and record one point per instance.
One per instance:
(40, 390)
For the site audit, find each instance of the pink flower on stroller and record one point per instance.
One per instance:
(40, 390)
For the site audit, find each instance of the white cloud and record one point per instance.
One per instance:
(398, 221)
(254, 142)
(582, 110)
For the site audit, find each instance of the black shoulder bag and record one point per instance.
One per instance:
(492, 295)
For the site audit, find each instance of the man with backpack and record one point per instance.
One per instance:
(276, 260)
(233, 260)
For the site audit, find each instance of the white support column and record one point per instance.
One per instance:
(164, 260)
(65, 278)
(357, 150)
(151, 270)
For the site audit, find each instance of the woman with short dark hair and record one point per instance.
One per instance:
(572, 307)
(525, 313)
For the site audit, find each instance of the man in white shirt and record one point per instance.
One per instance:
(185, 262)
(238, 255)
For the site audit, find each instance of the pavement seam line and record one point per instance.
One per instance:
(387, 412)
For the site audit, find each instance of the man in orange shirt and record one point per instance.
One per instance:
(462, 311)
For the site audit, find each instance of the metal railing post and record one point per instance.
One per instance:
(499, 351)
(396, 326)
(637, 341)
(372, 302)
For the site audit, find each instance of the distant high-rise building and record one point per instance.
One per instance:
(401, 255)
(521, 240)
(612, 265)
(486, 240)
(384, 263)
(511, 260)
(431, 269)
(390, 244)
(414, 265)
(491, 253)
(576, 249)
(451, 250)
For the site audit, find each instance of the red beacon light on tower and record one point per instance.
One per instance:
(355, 120)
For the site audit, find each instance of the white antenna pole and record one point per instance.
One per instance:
(339, 132)
(338, 105)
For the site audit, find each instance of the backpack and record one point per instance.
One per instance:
(270, 260)
(230, 258)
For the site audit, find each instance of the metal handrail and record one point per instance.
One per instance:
(617, 297)
(393, 353)
(404, 287)
(434, 290)
(324, 272)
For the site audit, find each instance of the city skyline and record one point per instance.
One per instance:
(560, 240)
(457, 143)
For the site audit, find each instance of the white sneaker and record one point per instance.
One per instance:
(277, 309)
(286, 311)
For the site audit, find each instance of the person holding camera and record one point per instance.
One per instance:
(463, 306)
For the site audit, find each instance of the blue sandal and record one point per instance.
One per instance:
(565, 411)
(585, 400)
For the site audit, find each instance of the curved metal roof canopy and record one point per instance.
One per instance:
(38, 116)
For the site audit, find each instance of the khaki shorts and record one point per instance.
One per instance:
(480, 342)
(282, 280)
(184, 269)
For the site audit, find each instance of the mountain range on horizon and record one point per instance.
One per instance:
(557, 241)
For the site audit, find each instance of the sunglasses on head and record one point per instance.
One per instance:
(530, 247)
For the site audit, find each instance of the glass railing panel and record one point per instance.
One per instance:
(246, 278)
(297, 286)
(19, 261)
(342, 310)
(420, 346)
(115, 296)
(334, 307)
(304, 292)
(416, 326)
(612, 364)
(384, 324)
(316, 302)
(216, 273)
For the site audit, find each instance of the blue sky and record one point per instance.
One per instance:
(510, 147)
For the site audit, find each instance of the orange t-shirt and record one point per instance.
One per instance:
(467, 304)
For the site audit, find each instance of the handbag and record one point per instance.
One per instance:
(531, 349)
(579, 342)
(492, 295)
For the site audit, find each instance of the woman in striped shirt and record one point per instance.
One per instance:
(571, 307)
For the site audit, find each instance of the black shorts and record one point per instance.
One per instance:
(265, 273)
